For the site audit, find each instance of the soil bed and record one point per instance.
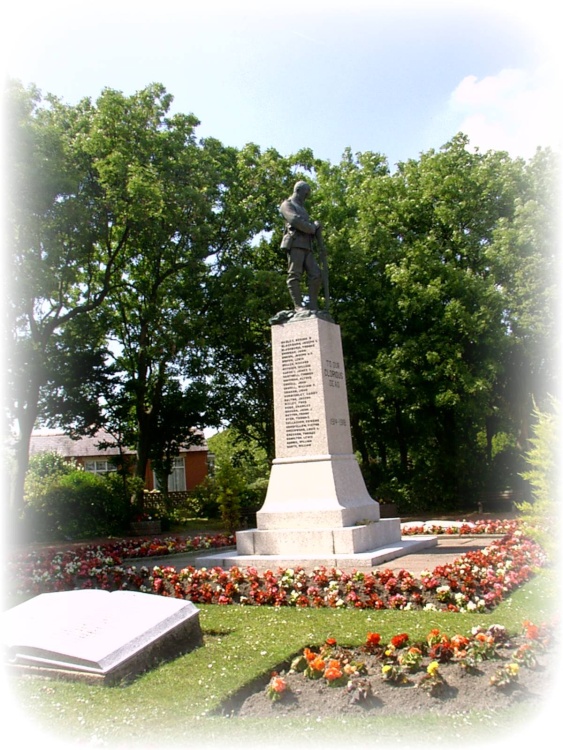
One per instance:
(462, 691)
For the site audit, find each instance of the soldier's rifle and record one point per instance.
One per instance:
(324, 265)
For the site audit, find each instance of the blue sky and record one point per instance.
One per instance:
(393, 77)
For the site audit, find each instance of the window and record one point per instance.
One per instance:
(177, 479)
(99, 467)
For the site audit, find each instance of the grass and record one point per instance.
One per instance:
(177, 704)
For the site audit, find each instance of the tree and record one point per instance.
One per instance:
(240, 481)
(524, 260)
(422, 312)
(168, 189)
(247, 287)
(65, 247)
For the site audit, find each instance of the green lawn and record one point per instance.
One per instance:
(176, 704)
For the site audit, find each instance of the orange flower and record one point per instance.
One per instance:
(331, 642)
(309, 655)
(484, 638)
(531, 631)
(433, 636)
(333, 671)
(459, 642)
(317, 664)
(278, 684)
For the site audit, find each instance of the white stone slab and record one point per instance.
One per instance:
(319, 541)
(98, 633)
(316, 491)
(362, 561)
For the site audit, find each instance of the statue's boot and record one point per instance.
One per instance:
(295, 293)
(314, 287)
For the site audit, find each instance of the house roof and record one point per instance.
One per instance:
(57, 442)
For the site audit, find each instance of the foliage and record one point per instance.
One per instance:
(165, 188)
(44, 469)
(542, 459)
(247, 288)
(65, 245)
(241, 462)
(229, 488)
(202, 502)
(420, 285)
(146, 267)
(63, 501)
(76, 505)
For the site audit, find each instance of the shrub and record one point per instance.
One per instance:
(230, 487)
(65, 502)
(202, 501)
(45, 469)
(541, 474)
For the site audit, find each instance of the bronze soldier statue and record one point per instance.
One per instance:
(297, 240)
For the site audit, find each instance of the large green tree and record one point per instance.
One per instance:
(168, 188)
(414, 261)
(64, 247)
(145, 266)
(247, 287)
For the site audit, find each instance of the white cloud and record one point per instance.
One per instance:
(515, 110)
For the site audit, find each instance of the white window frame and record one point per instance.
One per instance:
(177, 477)
(99, 466)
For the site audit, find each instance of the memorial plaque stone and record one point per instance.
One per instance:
(95, 635)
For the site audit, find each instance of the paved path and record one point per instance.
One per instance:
(447, 549)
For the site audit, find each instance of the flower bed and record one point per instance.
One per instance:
(442, 673)
(97, 566)
(476, 581)
(463, 528)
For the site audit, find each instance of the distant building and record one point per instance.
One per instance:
(190, 466)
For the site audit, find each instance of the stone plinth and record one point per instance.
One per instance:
(317, 509)
(317, 502)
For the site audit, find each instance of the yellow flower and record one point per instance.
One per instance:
(512, 669)
(433, 668)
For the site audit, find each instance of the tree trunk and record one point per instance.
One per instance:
(26, 418)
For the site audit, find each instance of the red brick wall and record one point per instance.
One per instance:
(196, 468)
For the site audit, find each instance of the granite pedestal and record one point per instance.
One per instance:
(317, 506)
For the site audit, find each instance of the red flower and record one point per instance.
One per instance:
(400, 640)
(531, 631)
(372, 642)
